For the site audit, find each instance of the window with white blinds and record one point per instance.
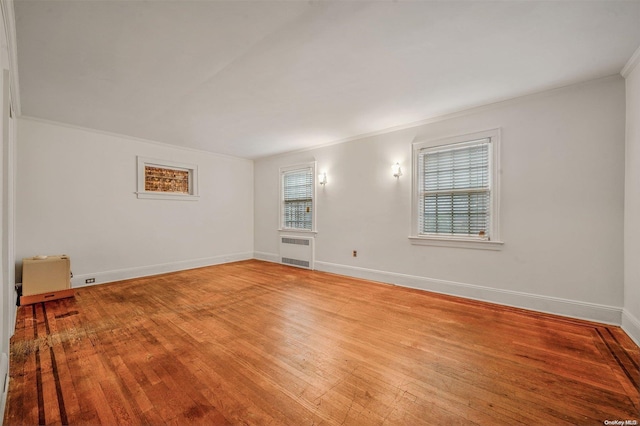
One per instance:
(297, 199)
(455, 188)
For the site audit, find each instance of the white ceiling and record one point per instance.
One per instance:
(255, 78)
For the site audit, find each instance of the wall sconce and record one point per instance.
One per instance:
(322, 178)
(397, 171)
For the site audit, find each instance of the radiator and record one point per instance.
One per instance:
(296, 251)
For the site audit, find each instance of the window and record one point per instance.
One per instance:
(455, 198)
(167, 180)
(164, 179)
(297, 198)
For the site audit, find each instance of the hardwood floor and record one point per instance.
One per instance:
(265, 344)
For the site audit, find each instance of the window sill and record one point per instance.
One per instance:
(456, 242)
(167, 196)
(297, 231)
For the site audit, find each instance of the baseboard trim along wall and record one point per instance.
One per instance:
(144, 271)
(267, 257)
(631, 326)
(552, 305)
(4, 381)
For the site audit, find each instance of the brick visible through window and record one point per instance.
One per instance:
(159, 179)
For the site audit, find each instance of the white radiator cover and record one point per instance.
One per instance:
(296, 251)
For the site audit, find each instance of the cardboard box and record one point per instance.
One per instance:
(45, 278)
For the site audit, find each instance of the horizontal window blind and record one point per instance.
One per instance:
(297, 189)
(455, 189)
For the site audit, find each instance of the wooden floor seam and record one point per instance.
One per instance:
(615, 356)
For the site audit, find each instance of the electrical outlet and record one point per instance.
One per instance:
(355, 253)
(90, 280)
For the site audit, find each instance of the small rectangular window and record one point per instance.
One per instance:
(163, 179)
(167, 180)
(298, 190)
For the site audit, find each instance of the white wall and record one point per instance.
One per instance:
(631, 317)
(7, 309)
(76, 195)
(561, 216)
(7, 162)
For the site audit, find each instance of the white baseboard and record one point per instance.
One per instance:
(4, 358)
(631, 326)
(4, 382)
(552, 305)
(144, 271)
(267, 257)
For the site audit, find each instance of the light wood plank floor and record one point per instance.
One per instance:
(265, 344)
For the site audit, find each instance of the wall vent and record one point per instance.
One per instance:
(297, 251)
(300, 241)
(296, 262)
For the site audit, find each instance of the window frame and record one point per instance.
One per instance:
(296, 167)
(461, 241)
(191, 169)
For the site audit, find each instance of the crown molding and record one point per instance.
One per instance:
(131, 138)
(632, 63)
(462, 112)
